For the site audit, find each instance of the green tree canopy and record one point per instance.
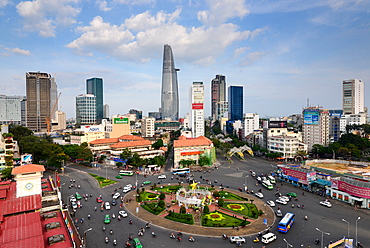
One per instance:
(158, 144)
(19, 132)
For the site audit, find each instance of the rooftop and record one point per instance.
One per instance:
(27, 168)
(187, 142)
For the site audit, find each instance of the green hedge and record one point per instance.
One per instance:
(153, 208)
(183, 218)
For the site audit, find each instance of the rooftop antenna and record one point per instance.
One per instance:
(308, 102)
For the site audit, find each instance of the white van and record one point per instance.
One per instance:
(268, 238)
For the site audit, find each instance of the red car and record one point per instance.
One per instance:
(99, 199)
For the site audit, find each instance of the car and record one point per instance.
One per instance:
(136, 243)
(281, 201)
(259, 195)
(129, 186)
(268, 238)
(253, 174)
(119, 177)
(284, 198)
(259, 179)
(107, 219)
(99, 199)
(78, 196)
(234, 239)
(123, 213)
(116, 195)
(325, 203)
(73, 199)
(278, 213)
(147, 182)
(126, 189)
(107, 205)
(74, 205)
(292, 194)
(114, 202)
(271, 203)
(162, 177)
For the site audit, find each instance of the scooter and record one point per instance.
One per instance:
(111, 231)
(191, 239)
(172, 236)
(306, 218)
(256, 240)
(103, 228)
(224, 236)
(106, 239)
(154, 235)
(114, 242)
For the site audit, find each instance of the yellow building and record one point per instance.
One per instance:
(120, 126)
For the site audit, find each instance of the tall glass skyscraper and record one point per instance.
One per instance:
(235, 103)
(218, 94)
(95, 86)
(170, 94)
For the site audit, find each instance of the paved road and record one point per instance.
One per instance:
(303, 232)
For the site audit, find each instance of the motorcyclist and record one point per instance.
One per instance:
(224, 236)
(88, 216)
(103, 228)
(153, 234)
(111, 231)
(130, 221)
(106, 239)
(95, 208)
(172, 236)
(179, 239)
(238, 244)
(191, 239)
(305, 217)
(114, 242)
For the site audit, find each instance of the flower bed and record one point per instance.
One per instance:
(183, 218)
(231, 196)
(153, 208)
(218, 219)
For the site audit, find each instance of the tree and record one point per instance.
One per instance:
(6, 173)
(126, 154)
(206, 209)
(119, 164)
(19, 131)
(161, 204)
(162, 196)
(136, 161)
(204, 160)
(158, 144)
(221, 202)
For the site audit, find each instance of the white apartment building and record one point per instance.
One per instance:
(197, 109)
(86, 109)
(60, 122)
(251, 123)
(288, 144)
(315, 127)
(353, 96)
(147, 127)
(12, 110)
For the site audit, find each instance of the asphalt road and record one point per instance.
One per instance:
(302, 234)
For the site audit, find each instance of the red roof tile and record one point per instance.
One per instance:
(28, 168)
(188, 142)
(104, 141)
(131, 144)
(130, 137)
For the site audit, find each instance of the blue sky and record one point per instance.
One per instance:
(282, 52)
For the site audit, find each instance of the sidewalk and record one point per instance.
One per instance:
(252, 229)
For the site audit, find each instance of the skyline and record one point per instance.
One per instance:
(281, 52)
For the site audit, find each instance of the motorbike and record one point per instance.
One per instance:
(306, 218)
(103, 228)
(140, 233)
(256, 240)
(130, 222)
(154, 235)
(113, 216)
(106, 239)
(191, 239)
(111, 231)
(114, 242)
(224, 236)
(172, 236)
(179, 239)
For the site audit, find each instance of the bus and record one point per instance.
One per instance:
(272, 179)
(286, 223)
(181, 171)
(267, 184)
(126, 173)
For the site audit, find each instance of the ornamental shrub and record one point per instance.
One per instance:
(162, 196)
(206, 209)
(221, 202)
(182, 210)
(161, 204)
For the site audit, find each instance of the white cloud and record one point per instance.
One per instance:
(142, 37)
(222, 10)
(102, 5)
(19, 51)
(251, 58)
(3, 3)
(134, 2)
(239, 51)
(44, 16)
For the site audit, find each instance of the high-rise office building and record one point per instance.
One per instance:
(197, 109)
(95, 86)
(235, 103)
(53, 97)
(170, 94)
(219, 104)
(106, 111)
(353, 96)
(38, 85)
(138, 113)
(11, 109)
(315, 127)
(86, 109)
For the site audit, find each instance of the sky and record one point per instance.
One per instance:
(286, 53)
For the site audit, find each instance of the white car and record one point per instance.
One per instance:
(235, 239)
(129, 186)
(271, 203)
(74, 205)
(116, 195)
(279, 213)
(162, 177)
(325, 203)
(73, 199)
(259, 195)
(107, 205)
(281, 201)
(284, 198)
(126, 189)
(123, 213)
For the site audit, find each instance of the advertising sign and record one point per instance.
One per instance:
(301, 176)
(351, 189)
(93, 128)
(120, 120)
(277, 124)
(311, 116)
(197, 106)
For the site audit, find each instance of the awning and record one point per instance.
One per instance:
(356, 198)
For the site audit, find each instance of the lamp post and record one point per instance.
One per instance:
(322, 236)
(347, 227)
(287, 244)
(246, 183)
(356, 228)
(88, 230)
(106, 173)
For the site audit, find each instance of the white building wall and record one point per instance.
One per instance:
(147, 127)
(197, 109)
(251, 123)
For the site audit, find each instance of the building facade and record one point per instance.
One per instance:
(60, 120)
(53, 96)
(170, 93)
(138, 113)
(197, 109)
(86, 109)
(38, 85)
(315, 127)
(11, 110)
(235, 103)
(147, 127)
(353, 96)
(218, 97)
(94, 86)
(120, 126)
(251, 123)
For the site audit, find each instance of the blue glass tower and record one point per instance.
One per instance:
(170, 94)
(235, 103)
(95, 86)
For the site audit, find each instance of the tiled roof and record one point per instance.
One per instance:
(104, 141)
(131, 144)
(28, 168)
(130, 137)
(188, 142)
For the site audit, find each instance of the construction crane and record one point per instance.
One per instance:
(48, 119)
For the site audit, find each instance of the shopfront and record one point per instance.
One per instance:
(351, 191)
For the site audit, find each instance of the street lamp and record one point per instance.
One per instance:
(356, 228)
(347, 227)
(88, 230)
(287, 244)
(106, 173)
(322, 236)
(246, 183)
